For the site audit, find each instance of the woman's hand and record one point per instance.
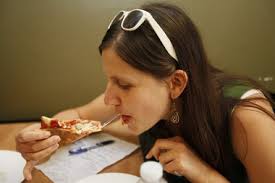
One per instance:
(35, 144)
(178, 158)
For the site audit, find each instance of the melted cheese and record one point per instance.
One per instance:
(86, 127)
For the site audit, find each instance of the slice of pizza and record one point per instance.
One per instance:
(70, 130)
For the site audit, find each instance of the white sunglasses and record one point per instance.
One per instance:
(156, 27)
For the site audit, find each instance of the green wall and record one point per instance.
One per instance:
(49, 58)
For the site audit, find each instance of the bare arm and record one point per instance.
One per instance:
(253, 141)
(94, 110)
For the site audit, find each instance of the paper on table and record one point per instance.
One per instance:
(65, 168)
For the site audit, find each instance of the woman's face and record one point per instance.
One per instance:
(140, 99)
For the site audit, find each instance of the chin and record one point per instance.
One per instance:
(137, 128)
(133, 129)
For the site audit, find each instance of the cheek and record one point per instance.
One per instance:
(153, 107)
(150, 108)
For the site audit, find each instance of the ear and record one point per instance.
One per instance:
(177, 83)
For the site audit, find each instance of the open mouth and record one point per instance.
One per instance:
(125, 119)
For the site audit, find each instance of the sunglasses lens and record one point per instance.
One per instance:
(132, 19)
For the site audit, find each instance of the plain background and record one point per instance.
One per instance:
(49, 58)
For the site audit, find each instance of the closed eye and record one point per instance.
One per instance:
(122, 85)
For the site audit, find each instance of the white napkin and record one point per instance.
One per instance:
(65, 168)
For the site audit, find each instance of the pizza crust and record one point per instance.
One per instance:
(67, 137)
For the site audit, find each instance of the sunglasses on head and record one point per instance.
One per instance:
(127, 24)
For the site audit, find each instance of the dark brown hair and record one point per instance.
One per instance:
(206, 111)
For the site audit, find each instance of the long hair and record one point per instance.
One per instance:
(205, 111)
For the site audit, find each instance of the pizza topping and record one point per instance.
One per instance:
(43, 125)
(86, 127)
(68, 123)
(54, 123)
(77, 126)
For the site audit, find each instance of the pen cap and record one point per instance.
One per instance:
(151, 171)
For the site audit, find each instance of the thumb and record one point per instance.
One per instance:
(149, 155)
(27, 171)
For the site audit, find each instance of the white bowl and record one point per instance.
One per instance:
(11, 166)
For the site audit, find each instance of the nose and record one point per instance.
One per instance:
(111, 96)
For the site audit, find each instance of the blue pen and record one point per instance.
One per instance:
(85, 149)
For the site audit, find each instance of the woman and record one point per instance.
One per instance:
(201, 124)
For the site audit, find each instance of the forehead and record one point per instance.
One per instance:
(114, 66)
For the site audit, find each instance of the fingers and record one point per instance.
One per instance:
(176, 139)
(46, 143)
(37, 145)
(31, 127)
(27, 136)
(24, 147)
(173, 168)
(167, 157)
(40, 154)
(27, 171)
(159, 146)
(170, 162)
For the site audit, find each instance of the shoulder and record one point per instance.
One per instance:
(253, 132)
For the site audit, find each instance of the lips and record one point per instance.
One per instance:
(125, 119)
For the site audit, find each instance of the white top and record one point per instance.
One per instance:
(250, 93)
